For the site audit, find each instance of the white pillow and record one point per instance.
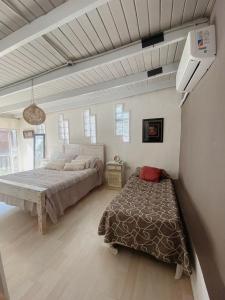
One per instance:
(55, 165)
(87, 158)
(86, 162)
(74, 167)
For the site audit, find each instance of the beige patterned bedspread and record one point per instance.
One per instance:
(145, 217)
(63, 188)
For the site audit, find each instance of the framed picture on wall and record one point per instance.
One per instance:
(28, 134)
(152, 130)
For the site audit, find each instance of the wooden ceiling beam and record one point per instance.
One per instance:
(57, 17)
(95, 88)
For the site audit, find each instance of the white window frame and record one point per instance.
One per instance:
(89, 125)
(63, 129)
(123, 119)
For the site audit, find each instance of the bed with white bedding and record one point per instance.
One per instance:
(49, 192)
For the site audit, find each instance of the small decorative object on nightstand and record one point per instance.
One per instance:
(115, 174)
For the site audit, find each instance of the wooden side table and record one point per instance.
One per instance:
(115, 174)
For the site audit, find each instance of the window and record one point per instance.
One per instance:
(40, 129)
(39, 149)
(90, 126)
(63, 130)
(8, 151)
(122, 123)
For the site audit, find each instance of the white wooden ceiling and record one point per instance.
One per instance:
(124, 67)
(14, 14)
(133, 89)
(112, 25)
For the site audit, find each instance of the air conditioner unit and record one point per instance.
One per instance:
(198, 55)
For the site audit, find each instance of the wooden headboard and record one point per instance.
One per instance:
(96, 150)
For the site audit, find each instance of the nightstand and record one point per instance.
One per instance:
(115, 174)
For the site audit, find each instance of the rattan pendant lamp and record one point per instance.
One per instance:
(33, 114)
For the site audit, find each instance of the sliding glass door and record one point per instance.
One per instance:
(8, 151)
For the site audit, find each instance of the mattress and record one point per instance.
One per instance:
(145, 216)
(63, 188)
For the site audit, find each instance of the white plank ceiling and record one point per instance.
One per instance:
(108, 95)
(112, 25)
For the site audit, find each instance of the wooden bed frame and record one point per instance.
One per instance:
(28, 193)
(37, 194)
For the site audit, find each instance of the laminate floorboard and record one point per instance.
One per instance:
(71, 262)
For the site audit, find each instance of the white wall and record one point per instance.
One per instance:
(153, 105)
(8, 123)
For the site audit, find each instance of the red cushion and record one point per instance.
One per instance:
(150, 174)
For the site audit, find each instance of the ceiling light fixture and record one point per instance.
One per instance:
(33, 114)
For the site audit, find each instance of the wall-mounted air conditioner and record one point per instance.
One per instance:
(199, 53)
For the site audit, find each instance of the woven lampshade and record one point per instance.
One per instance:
(34, 115)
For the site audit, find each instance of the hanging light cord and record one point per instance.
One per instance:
(32, 91)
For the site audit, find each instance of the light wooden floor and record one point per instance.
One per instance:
(71, 262)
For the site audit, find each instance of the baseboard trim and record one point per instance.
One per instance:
(197, 281)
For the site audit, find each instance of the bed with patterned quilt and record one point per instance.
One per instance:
(145, 216)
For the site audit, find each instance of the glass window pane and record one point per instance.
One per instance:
(119, 127)
(93, 120)
(5, 167)
(119, 117)
(39, 149)
(126, 139)
(86, 113)
(89, 122)
(93, 139)
(122, 123)
(126, 115)
(8, 151)
(88, 132)
(63, 129)
(119, 108)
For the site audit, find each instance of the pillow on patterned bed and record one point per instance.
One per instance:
(164, 174)
(150, 174)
